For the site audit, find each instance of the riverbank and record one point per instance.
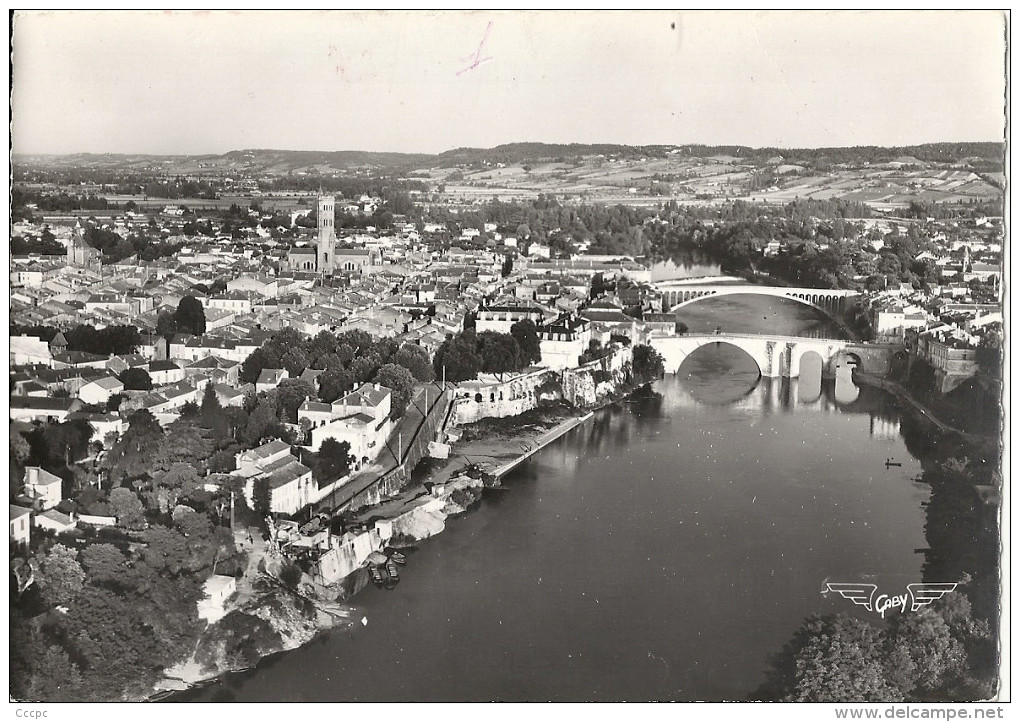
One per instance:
(270, 618)
(900, 392)
(497, 445)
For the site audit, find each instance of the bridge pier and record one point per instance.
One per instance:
(792, 361)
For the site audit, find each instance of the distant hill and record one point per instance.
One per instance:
(986, 157)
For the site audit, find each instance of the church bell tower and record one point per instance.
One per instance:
(326, 240)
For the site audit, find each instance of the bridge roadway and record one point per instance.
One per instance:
(776, 356)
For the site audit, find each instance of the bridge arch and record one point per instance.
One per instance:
(825, 303)
(712, 342)
(849, 358)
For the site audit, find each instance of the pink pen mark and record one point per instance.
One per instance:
(477, 58)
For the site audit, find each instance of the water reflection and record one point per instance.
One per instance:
(809, 387)
(724, 375)
(693, 264)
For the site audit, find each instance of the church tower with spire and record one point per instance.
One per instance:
(326, 241)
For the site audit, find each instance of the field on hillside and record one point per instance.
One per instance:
(652, 181)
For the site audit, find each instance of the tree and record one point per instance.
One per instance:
(401, 383)
(262, 497)
(166, 325)
(56, 678)
(125, 505)
(103, 563)
(190, 316)
(186, 441)
(598, 286)
(363, 368)
(57, 445)
(499, 353)
(252, 367)
(136, 379)
(334, 383)
(210, 403)
(290, 394)
(130, 457)
(525, 332)
(262, 422)
(333, 462)
(19, 451)
(181, 480)
(166, 550)
(647, 365)
(416, 360)
(60, 577)
(295, 361)
(290, 574)
(457, 359)
(508, 266)
(831, 659)
(923, 654)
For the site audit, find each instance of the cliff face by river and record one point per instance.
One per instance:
(271, 619)
(267, 617)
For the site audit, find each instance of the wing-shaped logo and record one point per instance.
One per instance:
(924, 594)
(862, 594)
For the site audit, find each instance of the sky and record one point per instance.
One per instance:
(184, 82)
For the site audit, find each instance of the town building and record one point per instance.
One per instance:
(563, 340)
(42, 488)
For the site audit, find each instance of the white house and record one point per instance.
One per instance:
(564, 340)
(270, 379)
(100, 390)
(20, 527)
(362, 419)
(539, 250)
(502, 318)
(30, 350)
(254, 461)
(218, 588)
(55, 521)
(316, 413)
(164, 372)
(43, 487)
(890, 323)
(290, 482)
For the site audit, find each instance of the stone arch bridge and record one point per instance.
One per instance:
(832, 302)
(779, 356)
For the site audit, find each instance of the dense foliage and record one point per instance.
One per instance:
(346, 359)
(647, 365)
(928, 655)
(101, 341)
(190, 316)
(462, 356)
(116, 248)
(333, 461)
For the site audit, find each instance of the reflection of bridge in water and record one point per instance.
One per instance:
(776, 356)
(786, 395)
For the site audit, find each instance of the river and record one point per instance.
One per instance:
(661, 551)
